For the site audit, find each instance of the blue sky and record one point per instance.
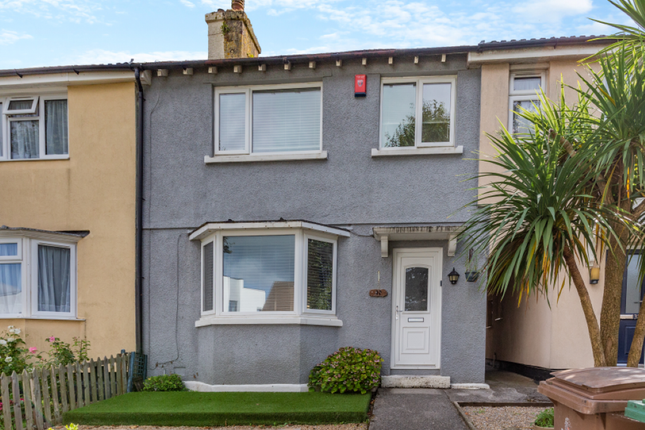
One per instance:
(62, 32)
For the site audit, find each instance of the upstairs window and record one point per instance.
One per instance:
(418, 112)
(524, 94)
(268, 120)
(34, 128)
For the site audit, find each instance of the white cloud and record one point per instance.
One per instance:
(7, 37)
(187, 3)
(552, 10)
(101, 56)
(71, 10)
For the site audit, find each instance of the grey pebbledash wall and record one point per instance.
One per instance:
(350, 189)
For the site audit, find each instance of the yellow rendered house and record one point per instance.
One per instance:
(68, 205)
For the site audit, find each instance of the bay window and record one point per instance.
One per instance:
(280, 273)
(37, 278)
(34, 127)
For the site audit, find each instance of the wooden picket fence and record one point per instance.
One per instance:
(45, 394)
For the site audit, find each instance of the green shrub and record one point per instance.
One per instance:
(545, 418)
(347, 370)
(164, 383)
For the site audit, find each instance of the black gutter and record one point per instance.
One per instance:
(138, 293)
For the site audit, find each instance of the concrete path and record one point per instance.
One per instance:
(430, 409)
(415, 409)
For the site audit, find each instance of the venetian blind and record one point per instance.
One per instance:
(286, 120)
(208, 277)
(258, 273)
(232, 122)
(320, 274)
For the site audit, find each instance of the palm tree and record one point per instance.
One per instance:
(540, 216)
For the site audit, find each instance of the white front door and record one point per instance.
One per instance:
(416, 334)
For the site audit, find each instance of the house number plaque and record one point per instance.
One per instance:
(378, 293)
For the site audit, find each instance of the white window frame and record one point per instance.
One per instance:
(204, 268)
(248, 121)
(34, 281)
(28, 259)
(7, 119)
(523, 96)
(32, 109)
(420, 81)
(305, 286)
(300, 313)
(12, 257)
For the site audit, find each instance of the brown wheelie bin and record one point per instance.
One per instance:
(583, 398)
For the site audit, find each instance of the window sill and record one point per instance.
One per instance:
(249, 158)
(18, 160)
(42, 318)
(281, 320)
(435, 150)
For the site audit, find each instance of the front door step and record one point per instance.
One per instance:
(415, 381)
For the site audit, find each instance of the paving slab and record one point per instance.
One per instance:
(505, 388)
(415, 409)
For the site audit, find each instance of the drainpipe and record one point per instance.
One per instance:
(138, 294)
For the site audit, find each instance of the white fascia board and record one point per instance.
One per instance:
(209, 228)
(432, 232)
(10, 83)
(41, 235)
(532, 54)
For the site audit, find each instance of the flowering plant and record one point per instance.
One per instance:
(13, 353)
(61, 353)
(347, 370)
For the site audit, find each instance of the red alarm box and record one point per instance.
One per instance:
(360, 85)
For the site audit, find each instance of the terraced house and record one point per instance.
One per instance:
(67, 205)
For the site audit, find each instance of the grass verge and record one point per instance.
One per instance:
(216, 409)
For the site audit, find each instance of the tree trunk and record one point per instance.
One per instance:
(587, 308)
(612, 294)
(636, 349)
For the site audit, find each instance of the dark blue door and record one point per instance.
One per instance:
(630, 305)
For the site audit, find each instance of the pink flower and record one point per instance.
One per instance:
(33, 349)
(52, 339)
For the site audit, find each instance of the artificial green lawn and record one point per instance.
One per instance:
(213, 409)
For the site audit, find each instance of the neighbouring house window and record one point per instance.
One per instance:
(268, 272)
(523, 94)
(265, 120)
(48, 289)
(34, 128)
(418, 112)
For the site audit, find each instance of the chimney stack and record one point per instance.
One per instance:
(230, 34)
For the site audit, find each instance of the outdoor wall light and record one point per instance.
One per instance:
(594, 274)
(453, 276)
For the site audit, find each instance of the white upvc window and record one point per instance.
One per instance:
(268, 120)
(37, 278)
(34, 127)
(524, 93)
(418, 112)
(263, 274)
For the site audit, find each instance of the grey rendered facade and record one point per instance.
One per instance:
(350, 190)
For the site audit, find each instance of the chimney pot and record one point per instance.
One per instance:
(237, 5)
